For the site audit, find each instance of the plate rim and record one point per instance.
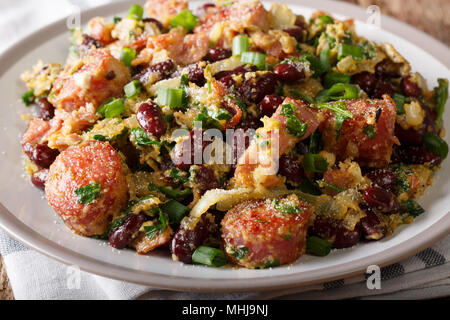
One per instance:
(32, 239)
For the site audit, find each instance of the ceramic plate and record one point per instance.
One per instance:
(25, 215)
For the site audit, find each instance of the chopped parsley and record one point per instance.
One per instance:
(370, 131)
(141, 138)
(241, 252)
(28, 98)
(341, 114)
(285, 208)
(159, 227)
(88, 194)
(294, 125)
(412, 207)
(269, 264)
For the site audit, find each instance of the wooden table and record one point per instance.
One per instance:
(429, 16)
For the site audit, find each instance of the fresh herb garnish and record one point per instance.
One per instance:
(159, 227)
(294, 125)
(88, 194)
(241, 252)
(370, 131)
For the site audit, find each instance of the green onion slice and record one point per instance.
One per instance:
(317, 246)
(435, 144)
(241, 44)
(255, 58)
(170, 97)
(132, 89)
(127, 55)
(314, 163)
(441, 94)
(331, 78)
(185, 19)
(175, 210)
(111, 108)
(348, 50)
(399, 103)
(209, 256)
(136, 12)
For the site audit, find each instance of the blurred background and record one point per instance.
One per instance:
(20, 17)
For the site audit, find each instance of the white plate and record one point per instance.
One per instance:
(25, 215)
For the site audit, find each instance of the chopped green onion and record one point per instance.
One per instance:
(317, 246)
(28, 98)
(136, 12)
(325, 60)
(399, 103)
(348, 50)
(111, 108)
(170, 97)
(88, 194)
(314, 163)
(186, 19)
(441, 94)
(127, 55)
(209, 256)
(435, 144)
(117, 20)
(255, 58)
(337, 92)
(132, 89)
(332, 78)
(241, 44)
(175, 210)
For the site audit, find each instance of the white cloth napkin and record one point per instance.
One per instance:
(34, 276)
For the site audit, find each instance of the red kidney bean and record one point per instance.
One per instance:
(296, 33)
(270, 104)
(342, 237)
(186, 240)
(365, 80)
(205, 179)
(227, 81)
(150, 118)
(287, 72)
(46, 109)
(381, 200)
(381, 70)
(203, 10)
(218, 53)
(410, 88)
(196, 75)
(382, 87)
(184, 161)
(384, 178)
(40, 154)
(122, 236)
(237, 71)
(163, 69)
(291, 168)
(155, 21)
(250, 122)
(372, 227)
(430, 120)
(39, 178)
(409, 137)
(88, 42)
(415, 155)
(254, 90)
